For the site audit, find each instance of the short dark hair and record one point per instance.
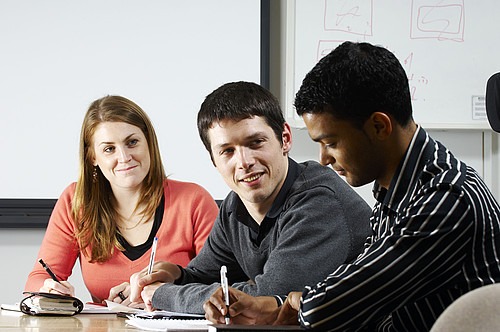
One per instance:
(355, 80)
(237, 101)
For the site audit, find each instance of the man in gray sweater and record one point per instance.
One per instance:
(284, 225)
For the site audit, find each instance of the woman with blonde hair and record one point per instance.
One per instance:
(122, 200)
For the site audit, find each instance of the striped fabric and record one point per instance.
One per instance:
(436, 235)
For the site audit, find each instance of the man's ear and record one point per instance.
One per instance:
(286, 138)
(379, 125)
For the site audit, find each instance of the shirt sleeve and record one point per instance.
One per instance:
(59, 248)
(201, 277)
(421, 251)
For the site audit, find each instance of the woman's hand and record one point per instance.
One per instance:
(120, 294)
(163, 272)
(63, 287)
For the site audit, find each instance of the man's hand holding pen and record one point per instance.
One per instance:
(243, 309)
(225, 291)
(143, 284)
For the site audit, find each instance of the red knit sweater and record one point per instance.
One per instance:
(189, 215)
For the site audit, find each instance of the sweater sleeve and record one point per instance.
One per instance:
(312, 241)
(201, 277)
(59, 247)
(309, 243)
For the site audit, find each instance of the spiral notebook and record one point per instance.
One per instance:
(167, 320)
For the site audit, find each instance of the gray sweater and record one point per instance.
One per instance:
(316, 223)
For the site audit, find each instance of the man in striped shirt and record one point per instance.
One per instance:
(436, 229)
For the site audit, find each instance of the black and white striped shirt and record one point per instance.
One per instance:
(436, 236)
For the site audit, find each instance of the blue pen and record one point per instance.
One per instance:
(153, 254)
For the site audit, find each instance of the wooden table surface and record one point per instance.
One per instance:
(16, 321)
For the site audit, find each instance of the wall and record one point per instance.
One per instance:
(18, 250)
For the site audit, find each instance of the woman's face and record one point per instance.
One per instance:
(121, 152)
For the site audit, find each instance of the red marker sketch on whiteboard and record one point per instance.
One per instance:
(417, 82)
(325, 47)
(438, 19)
(351, 16)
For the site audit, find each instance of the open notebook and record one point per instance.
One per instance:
(167, 320)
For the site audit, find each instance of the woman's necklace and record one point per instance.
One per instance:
(133, 223)
(132, 227)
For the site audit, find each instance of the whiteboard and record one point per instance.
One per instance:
(449, 48)
(58, 56)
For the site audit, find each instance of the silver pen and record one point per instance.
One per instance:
(225, 290)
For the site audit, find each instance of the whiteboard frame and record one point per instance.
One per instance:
(289, 59)
(32, 212)
(167, 71)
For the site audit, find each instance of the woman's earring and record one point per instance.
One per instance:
(94, 174)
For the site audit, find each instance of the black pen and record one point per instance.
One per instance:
(49, 271)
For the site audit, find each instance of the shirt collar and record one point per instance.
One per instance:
(291, 176)
(277, 206)
(405, 176)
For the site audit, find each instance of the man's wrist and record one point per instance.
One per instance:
(268, 309)
(179, 277)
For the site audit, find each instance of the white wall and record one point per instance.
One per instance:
(19, 250)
